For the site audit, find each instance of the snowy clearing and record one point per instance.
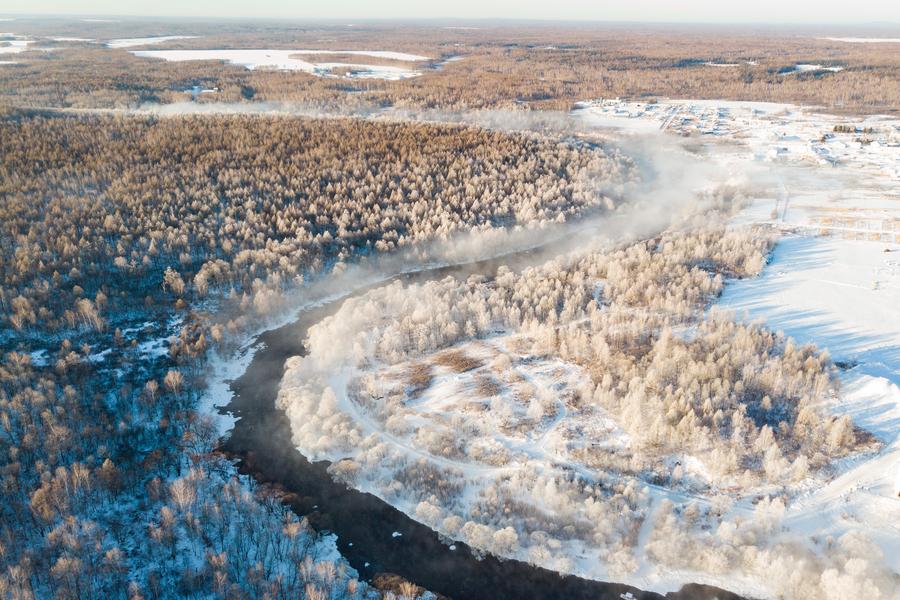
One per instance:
(388, 55)
(495, 431)
(843, 295)
(14, 46)
(285, 60)
(807, 68)
(838, 293)
(145, 41)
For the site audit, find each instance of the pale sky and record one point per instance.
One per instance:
(756, 11)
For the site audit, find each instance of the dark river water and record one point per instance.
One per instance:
(364, 524)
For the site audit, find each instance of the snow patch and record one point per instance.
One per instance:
(98, 357)
(14, 46)
(284, 60)
(860, 40)
(807, 68)
(39, 358)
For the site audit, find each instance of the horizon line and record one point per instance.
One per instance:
(511, 20)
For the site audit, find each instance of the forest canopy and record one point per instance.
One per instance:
(132, 247)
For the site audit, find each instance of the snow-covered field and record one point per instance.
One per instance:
(843, 295)
(286, 60)
(809, 68)
(15, 45)
(145, 41)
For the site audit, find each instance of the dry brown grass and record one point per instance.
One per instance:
(487, 386)
(475, 407)
(521, 344)
(418, 378)
(457, 360)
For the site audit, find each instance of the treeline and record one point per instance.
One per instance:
(241, 204)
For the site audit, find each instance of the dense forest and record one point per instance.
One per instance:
(230, 204)
(130, 248)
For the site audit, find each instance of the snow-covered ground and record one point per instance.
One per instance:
(860, 40)
(15, 45)
(763, 133)
(145, 41)
(834, 279)
(39, 358)
(385, 54)
(286, 60)
(808, 68)
(843, 295)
